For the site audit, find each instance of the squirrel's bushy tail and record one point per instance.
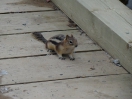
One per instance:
(39, 37)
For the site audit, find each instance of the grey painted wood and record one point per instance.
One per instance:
(107, 87)
(43, 68)
(31, 22)
(7, 6)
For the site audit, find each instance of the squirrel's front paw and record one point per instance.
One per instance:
(51, 51)
(62, 58)
(72, 59)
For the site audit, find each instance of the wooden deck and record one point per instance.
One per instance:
(34, 74)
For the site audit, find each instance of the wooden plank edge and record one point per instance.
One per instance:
(64, 79)
(19, 33)
(28, 11)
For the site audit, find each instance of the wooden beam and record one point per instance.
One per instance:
(104, 24)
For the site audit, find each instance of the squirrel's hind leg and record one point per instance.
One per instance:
(51, 52)
(60, 56)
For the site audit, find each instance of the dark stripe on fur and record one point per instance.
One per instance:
(54, 42)
(59, 37)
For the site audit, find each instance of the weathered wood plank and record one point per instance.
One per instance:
(127, 15)
(121, 9)
(27, 45)
(30, 22)
(114, 5)
(108, 87)
(32, 69)
(114, 39)
(103, 24)
(7, 6)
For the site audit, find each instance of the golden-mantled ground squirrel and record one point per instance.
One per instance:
(59, 43)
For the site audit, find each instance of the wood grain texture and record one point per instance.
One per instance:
(31, 22)
(49, 67)
(107, 87)
(7, 6)
(115, 5)
(122, 10)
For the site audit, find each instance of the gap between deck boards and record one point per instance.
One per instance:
(52, 80)
(45, 54)
(36, 31)
(28, 11)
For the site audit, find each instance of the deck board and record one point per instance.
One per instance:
(107, 87)
(7, 6)
(35, 21)
(26, 45)
(43, 68)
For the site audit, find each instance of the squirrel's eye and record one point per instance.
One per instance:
(70, 42)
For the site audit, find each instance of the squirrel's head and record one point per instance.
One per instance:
(72, 41)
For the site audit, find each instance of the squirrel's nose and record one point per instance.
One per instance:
(76, 45)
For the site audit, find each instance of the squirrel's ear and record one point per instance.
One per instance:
(67, 36)
(71, 35)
